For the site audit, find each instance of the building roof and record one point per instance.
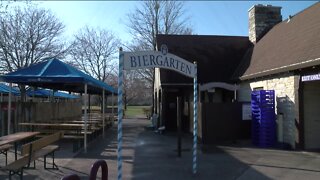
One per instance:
(217, 57)
(290, 45)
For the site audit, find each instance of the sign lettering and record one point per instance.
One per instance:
(160, 59)
(313, 77)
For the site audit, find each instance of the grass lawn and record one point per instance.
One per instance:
(134, 111)
(131, 112)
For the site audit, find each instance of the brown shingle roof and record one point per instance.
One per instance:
(217, 56)
(287, 46)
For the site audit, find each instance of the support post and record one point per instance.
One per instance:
(2, 119)
(179, 125)
(89, 103)
(9, 108)
(195, 121)
(85, 116)
(52, 96)
(120, 113)
(112, 102)
(34, 91)
(103, 111)
(235, 92)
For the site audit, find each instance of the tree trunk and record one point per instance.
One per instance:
(153, 78)
(125, 102)
(105, 103)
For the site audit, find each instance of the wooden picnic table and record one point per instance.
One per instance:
(71, 130)
(98, 116)
(93, 118)
(77, 122)
(93, 123)
(65, 123)
(15, 137)
(60, 126)
(53, 124)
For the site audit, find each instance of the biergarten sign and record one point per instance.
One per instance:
(159, 59)
(156, 59)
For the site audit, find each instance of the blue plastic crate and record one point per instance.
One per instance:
(263, 118)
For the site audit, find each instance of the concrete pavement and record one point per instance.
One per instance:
(148, 155)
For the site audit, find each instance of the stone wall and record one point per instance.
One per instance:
(285, 101)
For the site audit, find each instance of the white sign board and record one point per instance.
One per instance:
(160, 59)
(246, 112)
(313, 77)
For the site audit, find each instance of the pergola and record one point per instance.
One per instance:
(56, 75)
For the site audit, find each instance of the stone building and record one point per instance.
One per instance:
(279, 55)
(278, 60)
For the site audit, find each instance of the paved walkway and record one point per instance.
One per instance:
(148, 155)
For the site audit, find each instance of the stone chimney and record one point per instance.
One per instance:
(261, 19)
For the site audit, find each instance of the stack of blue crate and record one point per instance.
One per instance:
(263, 118)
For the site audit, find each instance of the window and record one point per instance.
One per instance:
(258, 88)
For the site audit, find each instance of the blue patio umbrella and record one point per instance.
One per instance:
(48, 92)
(54, 74)
(4, 89)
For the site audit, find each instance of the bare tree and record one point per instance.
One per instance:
(4, 5)
(152, 18)
(94, 50)
(157, 17)
(135, 88)
(27, 36)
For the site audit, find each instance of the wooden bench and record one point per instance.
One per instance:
(45, 132)
(76, 136)
(32, 151)
(4, 150)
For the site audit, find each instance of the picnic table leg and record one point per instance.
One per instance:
(6, 157)
(5, 152)
(45, 162)
(75, 144)
(19, 173)
(15, 150)
(54, 166)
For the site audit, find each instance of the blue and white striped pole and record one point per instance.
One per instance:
(195, 120)
(120, 113)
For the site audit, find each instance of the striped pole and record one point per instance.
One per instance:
(120, 113)
(195, 121)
